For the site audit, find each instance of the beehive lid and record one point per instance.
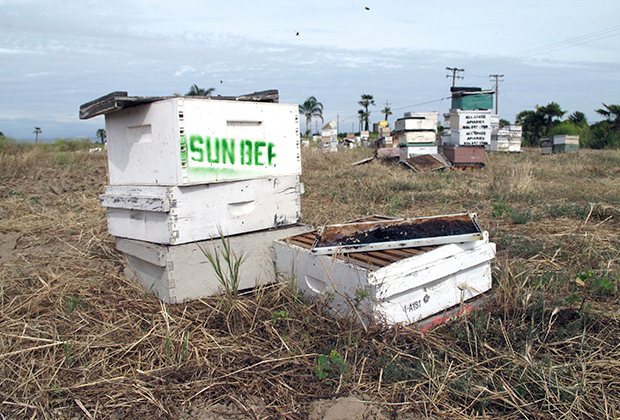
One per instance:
(397, 234)
(116, 101)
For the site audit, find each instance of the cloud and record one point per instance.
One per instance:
(183, 70)
(40, 74)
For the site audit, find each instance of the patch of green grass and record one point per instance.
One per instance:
(329, 367)
(72, 303)
(570, 210)
(226, 264)
(502, 208)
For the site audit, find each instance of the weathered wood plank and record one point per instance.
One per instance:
(177, 215)
(115, 101)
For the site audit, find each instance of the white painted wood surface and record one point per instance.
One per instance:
(403, 124)
(514, 145)
(179, 273)
(407, 151)
(413, 137)
(468, 128)
(566, 139)
(408, 290)
(177, 215)
(433, 115)
(187, 141)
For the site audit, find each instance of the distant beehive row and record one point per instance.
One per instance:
(186, 170)
(469, 129)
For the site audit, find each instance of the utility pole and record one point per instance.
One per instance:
(496, 76)
(337, 124)
(454, 70)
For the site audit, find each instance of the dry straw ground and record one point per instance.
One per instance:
(78, 340)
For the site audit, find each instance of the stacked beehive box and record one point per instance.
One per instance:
(506, 139)
(417, 133)
(329, 137)
(184, 171)
(468, 126)
(546, 146)
(565, 144)
(560, 144)
(384, 134)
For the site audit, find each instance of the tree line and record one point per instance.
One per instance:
(312, 108)
(546, 121)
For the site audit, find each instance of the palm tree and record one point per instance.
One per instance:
(101, 135)
(37, 131)
(612, 113)
(550, 111)
(311, 108)
(532, 123)
(578, 118)
(366, 101)
(363, 116)
(198, 91)
(387, 111)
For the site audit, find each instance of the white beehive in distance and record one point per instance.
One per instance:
(468, 128)
(403, 124)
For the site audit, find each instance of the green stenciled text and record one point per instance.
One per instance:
(222, 151)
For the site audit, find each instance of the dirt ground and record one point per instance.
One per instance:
(78, 340)
(51, 225)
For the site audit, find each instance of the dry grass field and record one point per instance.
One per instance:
(80, 341)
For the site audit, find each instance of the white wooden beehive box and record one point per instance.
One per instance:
(413, 137)
(411, 123)
(177, 215)
(179, 273)
(401, 285)
(187, 141)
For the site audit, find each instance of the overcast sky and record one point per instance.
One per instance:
(56, 56)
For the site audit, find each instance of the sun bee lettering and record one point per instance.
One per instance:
(230, 153)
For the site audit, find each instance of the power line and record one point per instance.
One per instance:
(422, 103)
(545, 49)
(403, 107)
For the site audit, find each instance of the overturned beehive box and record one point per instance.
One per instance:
(399, 284)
